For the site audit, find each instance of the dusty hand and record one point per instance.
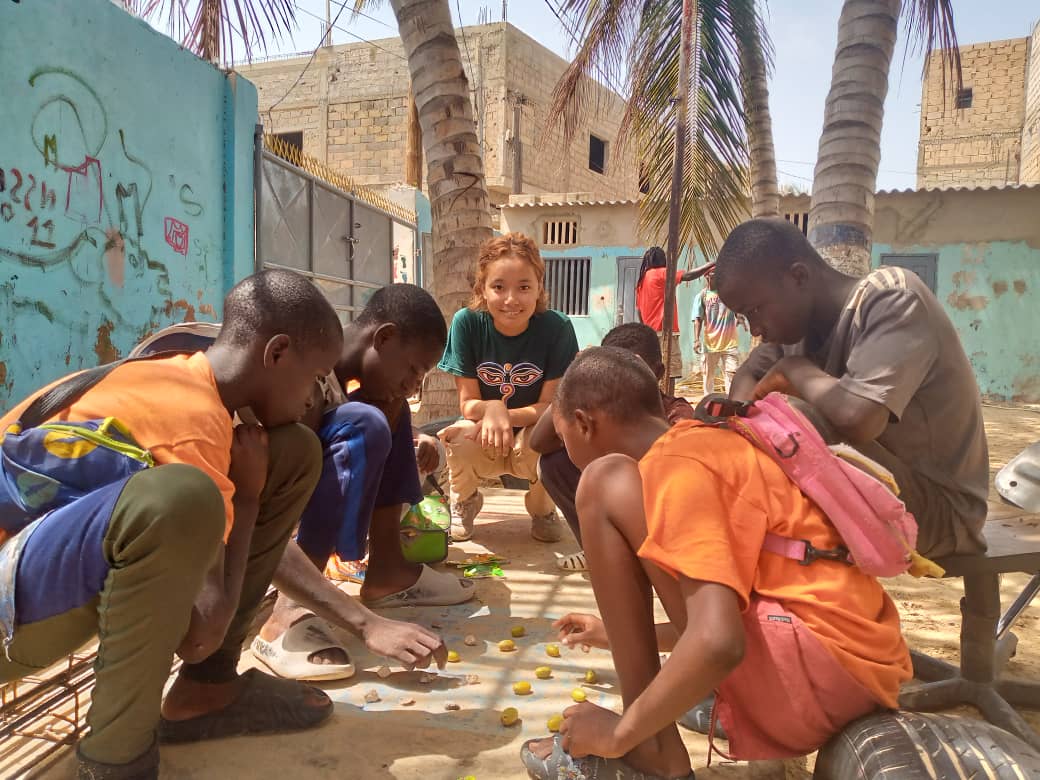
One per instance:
(410, 645)
(578, 629)
(248, 469)
(496, 432)
(426, 455)
(588, 730)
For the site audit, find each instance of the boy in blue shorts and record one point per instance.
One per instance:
(369, 477)
(175, 558)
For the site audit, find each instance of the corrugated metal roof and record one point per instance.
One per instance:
(988, 188)
(565, 202)
(533, 201)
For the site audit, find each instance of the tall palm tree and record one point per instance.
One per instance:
(755, 57)
(459, 201)
(209, 27)
(639, 41)
(841, 216)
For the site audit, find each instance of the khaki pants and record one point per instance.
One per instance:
(675, 369)
(710, 364)
(468, 464)
(162, 537)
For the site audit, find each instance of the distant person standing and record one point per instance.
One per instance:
(718, 324)
(650, 290)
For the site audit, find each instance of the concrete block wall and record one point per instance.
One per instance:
(351, 106)
(1030, 171)
(980, 145)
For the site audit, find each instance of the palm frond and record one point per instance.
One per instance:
(251, 21)
(645, 37)
(929, 27)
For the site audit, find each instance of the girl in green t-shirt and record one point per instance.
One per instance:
(507, 351)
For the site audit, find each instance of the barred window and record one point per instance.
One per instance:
(560, 232)
(567, 281)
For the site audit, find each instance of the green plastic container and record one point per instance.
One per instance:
(424, 531)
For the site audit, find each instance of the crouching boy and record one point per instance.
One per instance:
(175, 558)
(795, 652)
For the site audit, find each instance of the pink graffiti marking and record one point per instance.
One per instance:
(176, 235)
(85, 188)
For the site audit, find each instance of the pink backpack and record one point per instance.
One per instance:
(859, 496)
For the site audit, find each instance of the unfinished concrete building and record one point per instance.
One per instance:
(987, 133)
(350, 111)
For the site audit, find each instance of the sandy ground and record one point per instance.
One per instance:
(424, 740)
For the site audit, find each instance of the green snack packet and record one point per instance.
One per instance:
(424, 531)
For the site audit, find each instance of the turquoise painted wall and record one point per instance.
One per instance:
(990, 292)
(126, 181)
(603, 294)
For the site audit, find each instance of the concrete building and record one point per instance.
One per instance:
(988, 132)
(349, 110)
(978, 249)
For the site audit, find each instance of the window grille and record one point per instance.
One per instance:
(567, 281)
(560, 232)
(800, 220)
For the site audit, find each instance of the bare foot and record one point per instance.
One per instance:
(542, 748)
(287, 613)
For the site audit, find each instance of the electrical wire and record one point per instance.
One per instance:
(352, 34)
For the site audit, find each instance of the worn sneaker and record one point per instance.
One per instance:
(463, 513)
(547, 527)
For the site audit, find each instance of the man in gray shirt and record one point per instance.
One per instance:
(879, 365)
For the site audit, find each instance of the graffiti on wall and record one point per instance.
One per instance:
(88, 235)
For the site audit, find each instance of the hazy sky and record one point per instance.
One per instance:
(804, 34)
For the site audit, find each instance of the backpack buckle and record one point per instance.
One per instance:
(716, 409)
(811, 554)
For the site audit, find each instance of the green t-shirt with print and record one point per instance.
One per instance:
(509, 368)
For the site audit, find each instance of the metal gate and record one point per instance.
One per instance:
(344, 237)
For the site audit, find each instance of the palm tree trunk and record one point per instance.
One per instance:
(454, 168)
(765, 192)
(210, 31)
(841, 216)
(413, 145)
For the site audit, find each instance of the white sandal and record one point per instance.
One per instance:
(575, 562)
(288, 656)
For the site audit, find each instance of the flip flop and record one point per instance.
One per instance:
(573, 562)
(266, 705)
(560, 764)
(288, 656)
(432, 589)
(144, 767)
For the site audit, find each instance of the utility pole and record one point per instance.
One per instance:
(505, 10)
(328, 24)
(681, 101)
(518, 152)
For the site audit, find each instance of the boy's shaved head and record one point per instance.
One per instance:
(276, 301)
(638, 338)
(411, 309)
(609, 380)
(768, 245)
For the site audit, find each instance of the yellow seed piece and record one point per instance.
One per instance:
(554, 723)
(507, 645)
(522, 688)
(590, 675)
(578, 694)
(543, 672)
(517, 631)
(509, 716)
(553, 651)
(453, 657)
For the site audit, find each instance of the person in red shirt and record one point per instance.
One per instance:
(650, 291)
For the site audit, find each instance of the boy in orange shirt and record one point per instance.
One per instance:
(176, 558)
(795, 652)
